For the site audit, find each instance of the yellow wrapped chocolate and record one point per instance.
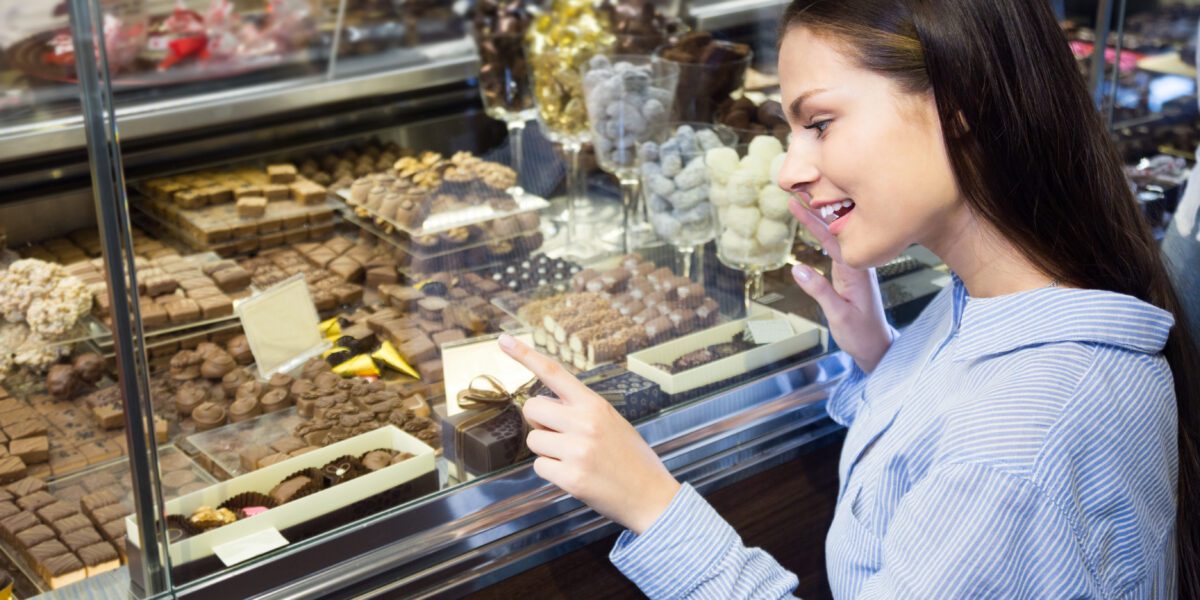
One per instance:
(559, 43)
(388, 355)
(359, 366)
(331, 329)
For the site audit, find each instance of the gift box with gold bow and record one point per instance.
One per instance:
(490, 434)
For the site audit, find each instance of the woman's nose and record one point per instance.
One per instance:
(799, 170)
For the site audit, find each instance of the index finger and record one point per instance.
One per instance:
(565, 385)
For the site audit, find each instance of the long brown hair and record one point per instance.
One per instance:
(1034, 160)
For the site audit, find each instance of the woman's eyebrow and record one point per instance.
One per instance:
(795, 107)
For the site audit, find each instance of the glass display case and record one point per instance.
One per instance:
(287, 234)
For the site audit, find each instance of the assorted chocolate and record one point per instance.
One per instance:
(752, 119)
(609, 314)
(538, 272)
(335, 270)
(499, 30)
(240, 210)
(174, 290)
(293, 487)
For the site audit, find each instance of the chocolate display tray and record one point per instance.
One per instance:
(235, 245)
(218, 450)
(452, 261)
(300, 512)
(440, 222)
(807, 335)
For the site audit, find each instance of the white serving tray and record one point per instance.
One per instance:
(807, 335)
(301, 510)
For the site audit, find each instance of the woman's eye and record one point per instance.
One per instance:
(819, 126)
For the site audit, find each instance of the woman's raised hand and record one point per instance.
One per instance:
(589, 450)
(851, 303)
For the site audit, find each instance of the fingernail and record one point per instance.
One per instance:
(802, 273)
(508, 342)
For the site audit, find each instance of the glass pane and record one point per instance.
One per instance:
(68, 495)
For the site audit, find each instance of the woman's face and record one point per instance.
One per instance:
(859, 140)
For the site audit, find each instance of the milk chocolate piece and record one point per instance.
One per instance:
(271, 459)
(33, 536)
(99, 558)
(431, 371)
(31, 450)
(347, 268)
(69, 524)
(11, 526)
(114, 530)
(89, 366)
(405, 298)
(275, 400)
(153, 315)
(110, 513)
(244, 408)
(208, 416)
(99, 499)
(25, 429)
(239, 347)
(276, 191)
(183, 310)
(287, 444)
(281, 173)
(215, 307)
(26, 486)
(418, 350)
(658, 329)
(61, 570)
(61, 381)
(284, 492)
(8, 509)
(249, 457)
(81, 538)
(109, 417)
(232, 279)
(432, 308)
(55, 511)
(251, 207)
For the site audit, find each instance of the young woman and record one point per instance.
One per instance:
(1033, 433)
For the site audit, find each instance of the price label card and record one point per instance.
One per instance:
(282, 326)
(250, 546)
(770, 331)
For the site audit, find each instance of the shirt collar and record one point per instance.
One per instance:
(988, 326)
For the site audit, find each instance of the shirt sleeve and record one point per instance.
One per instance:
(691, 552)
(849, 395)
(971, 531)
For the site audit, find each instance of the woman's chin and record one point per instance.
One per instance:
(866, 258)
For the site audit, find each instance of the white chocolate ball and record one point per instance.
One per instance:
(743, 220)
(721, 163)
(770, 232)
(774, 203)
(765, 148)
(777, 168)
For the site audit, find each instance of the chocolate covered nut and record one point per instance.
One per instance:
(217, 366)
(274, 400)
(89, 367)
(61, 381)
(244, 408)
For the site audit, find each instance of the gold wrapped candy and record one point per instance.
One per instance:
(359, 366)
(388, 355)
(206, 517)
(558, 45)
(331, 329)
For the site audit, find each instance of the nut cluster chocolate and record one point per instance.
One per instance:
(338, 168)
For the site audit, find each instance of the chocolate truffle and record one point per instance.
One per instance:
(244, 408)
(89, 367)
(185, 365)
(239, 347)
(208, 416)
(62, 381)
(217, 366)
(377, 459)
(277, 399)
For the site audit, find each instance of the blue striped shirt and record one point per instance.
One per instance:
(1022, 446)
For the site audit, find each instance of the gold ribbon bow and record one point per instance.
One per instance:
(488, 396)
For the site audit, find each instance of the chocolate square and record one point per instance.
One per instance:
(232, 279)
(114, 530)
(26, 486)
(11, 526)
(81, 538)
(182, 311)
(215, 307)
(110, 513)
(36, 500)
(8, 509)
(69, 524)
(99, 558)
(56, 511)
(33, 536)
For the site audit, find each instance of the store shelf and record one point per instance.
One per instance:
(398, 72)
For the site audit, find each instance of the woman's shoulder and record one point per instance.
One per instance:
(1042, 405)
